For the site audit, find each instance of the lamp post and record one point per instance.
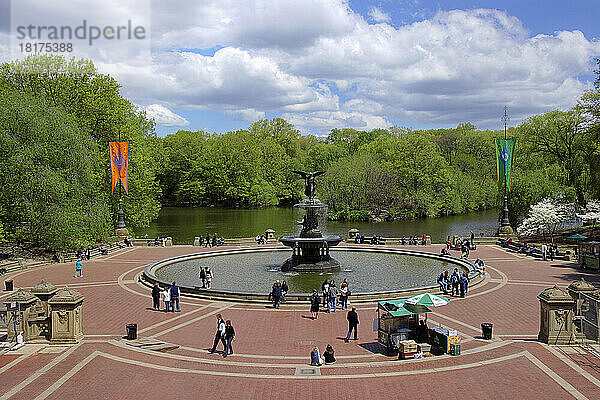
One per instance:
(505, 228)
(121, 229)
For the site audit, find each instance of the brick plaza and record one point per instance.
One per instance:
(272, 346)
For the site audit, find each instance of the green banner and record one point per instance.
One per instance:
(505, 150)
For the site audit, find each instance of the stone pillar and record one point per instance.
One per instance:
(352, 233)
(41, 325)
(21, 305)
(556, 317)
(270, 234)
(67, 324)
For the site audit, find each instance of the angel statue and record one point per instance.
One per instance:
(310, 185)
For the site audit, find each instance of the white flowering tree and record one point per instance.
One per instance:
(545, 217)
(591, 213)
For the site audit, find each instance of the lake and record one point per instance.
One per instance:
(184, 223)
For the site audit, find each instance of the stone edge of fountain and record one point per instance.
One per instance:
(148, 278)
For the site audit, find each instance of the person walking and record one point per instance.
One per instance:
(352, 318)
(78, 268)
(472, 239)
(156, 296)
(203, 277)
(166, 296)
(229, 337)
(314, 304)
(219, 335)
(207, 241)
(174, 292)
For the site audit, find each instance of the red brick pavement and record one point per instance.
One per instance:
(266, 336)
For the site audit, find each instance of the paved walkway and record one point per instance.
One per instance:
(272, 346)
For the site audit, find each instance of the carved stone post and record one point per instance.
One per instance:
(556, 317)
(41, 324)
(67, 322)
(22, 306)
(270, 234)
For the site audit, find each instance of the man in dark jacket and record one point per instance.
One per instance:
(174, 297)
(277, 292)
(352, 324)
(203, 277)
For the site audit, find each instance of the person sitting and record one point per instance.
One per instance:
(424, 240)
(329, 355)
(373, 239)
(257, 238)
(103, 249)
(357, 238)
(315, 357)
(157, 242)
(119, 245)
(220, 241)
(403, 239)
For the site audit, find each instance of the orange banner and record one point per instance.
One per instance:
(119, 163)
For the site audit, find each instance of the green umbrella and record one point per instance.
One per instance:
(427, 299)
(577, 236)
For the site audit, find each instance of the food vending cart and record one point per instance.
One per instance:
(397, 322)
(588, 255)
(446, 340)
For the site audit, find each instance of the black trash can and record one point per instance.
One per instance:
(486, 329)
(131, 331)
(8, 285)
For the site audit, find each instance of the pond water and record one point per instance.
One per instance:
(183, 224)
(255, 272)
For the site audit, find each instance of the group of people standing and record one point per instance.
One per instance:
(457, 283)
(414, 240)
(331, 292)
(170, 297)
(211, 242)
(278, 293)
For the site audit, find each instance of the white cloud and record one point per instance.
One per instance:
(321, 65)
(163, 116)
(248, 114)
(378, 15)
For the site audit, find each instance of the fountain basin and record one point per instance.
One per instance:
(248, 274)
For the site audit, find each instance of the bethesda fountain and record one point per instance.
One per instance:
(310, 249)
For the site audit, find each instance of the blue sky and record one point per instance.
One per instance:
(219, 65)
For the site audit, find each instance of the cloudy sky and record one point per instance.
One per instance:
(219, 65)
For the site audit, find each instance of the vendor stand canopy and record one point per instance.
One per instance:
(399, 308)
(427, 299)
(577, 236)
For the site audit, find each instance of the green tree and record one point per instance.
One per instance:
(49, 182)
(94, 102)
